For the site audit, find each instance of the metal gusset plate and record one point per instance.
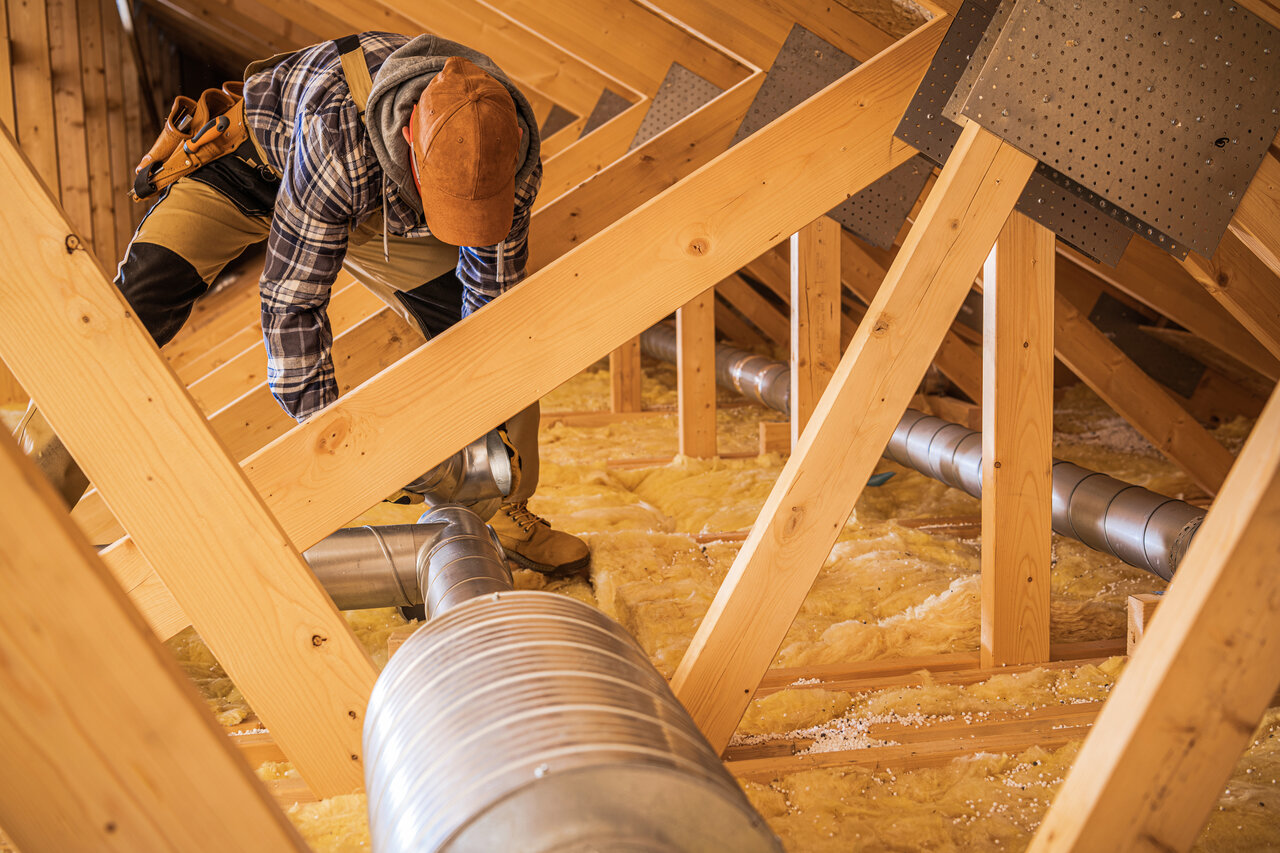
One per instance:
(806, 64)
(926, 125)
(1163, 108)
(610, 106)
(681, 92)
(558, 119)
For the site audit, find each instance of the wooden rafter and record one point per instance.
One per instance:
(838, 451)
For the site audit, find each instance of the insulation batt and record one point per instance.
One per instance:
(887, 590)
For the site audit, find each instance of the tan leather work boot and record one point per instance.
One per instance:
(530, 542)
(37, 440)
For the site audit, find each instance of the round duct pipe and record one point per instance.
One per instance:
(1140, 527)
(533, 721)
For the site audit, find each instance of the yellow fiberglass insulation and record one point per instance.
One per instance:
(887, 590)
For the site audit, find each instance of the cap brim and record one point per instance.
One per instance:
(468, 222)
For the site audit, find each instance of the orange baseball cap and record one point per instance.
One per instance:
(465, 139)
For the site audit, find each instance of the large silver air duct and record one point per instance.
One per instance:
(1142, 528)
(531, 721)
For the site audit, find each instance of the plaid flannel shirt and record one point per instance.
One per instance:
(307, 125)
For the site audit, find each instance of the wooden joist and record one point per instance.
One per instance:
(106, 744)
(1154, 765)
(1017, 443)
(590, 154)
(189, 506)
(826, 472)
(1242, 282)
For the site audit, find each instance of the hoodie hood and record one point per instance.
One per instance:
(397, 87)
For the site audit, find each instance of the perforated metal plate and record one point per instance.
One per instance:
(923, 125)
(996, 18)
(926, 125)
(805, 64)
(1163, 108)
(681, 92)
(876, 214)
(558, 119)
(610, 106)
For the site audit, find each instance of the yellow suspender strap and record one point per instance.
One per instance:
(355, 69)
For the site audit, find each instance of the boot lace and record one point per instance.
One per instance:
(520, 514)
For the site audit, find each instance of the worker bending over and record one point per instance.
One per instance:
(414, 163)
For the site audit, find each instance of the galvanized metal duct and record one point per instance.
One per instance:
(449, 555)
(531, 721)
(765, 380)
(1140, 527)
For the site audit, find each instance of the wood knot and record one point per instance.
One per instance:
(881, 326)
(699, 246)
(333, 436)
(317, 640)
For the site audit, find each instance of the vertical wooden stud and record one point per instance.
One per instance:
(107, 746)
(1017, 444)
(122, 159)
(1155, 762)
(815, 317)
(696, 368)
(625, 377)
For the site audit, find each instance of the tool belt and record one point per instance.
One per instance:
(196, 132)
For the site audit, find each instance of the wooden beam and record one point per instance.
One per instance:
(35, 123)
(590, 154)
(1140, 609)
(250, 422)
(1138, 398)
(123, 158)
(6, 71)
(1257, 220)
(760, 311)
(627, 40)
(1017, 444)
(1153, 277)
(69, 115)
(93, 84)
(526, 56)
(350, 305)
(826, 472)
(1243, 284)
(639, 176)
(862, 273)
(626, 378)
(731, 325)
(327, 470)
(1154, 765)
(106, 743)
(696, 372)
(775, 437)
(564, 138)
(774, 271)
(815, 313)
(288, 650)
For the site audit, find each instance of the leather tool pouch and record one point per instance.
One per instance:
(196, 132)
